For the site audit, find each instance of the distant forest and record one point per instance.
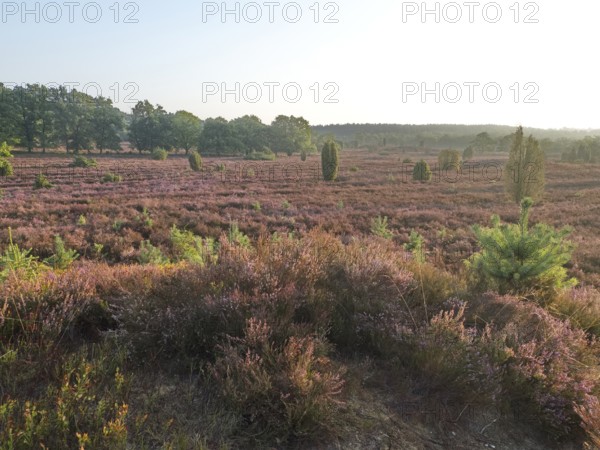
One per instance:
(36, 117)
(482, 138)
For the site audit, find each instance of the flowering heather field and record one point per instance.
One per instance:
(292, 198)
(301, 329)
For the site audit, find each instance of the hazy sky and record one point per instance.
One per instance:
(375, 61)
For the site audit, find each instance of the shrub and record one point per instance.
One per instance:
(195, 161)
(468, 153)
(416, 245)
(422, 172)
(5, 151)
(21, 262)
(159, 154)
(283, 391)
(236, 237)
(85, 409)
(261, 156)
(449, 159)
(303, 155)
(6, 168)
(191, 248)
(149, 254)
(62, 258)
(379, 227)
(256, 206)
(42, 182)
(111, 178)
(579, 306)
(407, 161)
(83, 162)
(82, 220)
(330, 160)
(517, 259)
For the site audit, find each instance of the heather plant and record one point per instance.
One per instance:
(422, 172)
(283, 391)
(330, 160)
(84, 163)
(195, 161)
(379, 227)
(62, 257)
(159, 154)
(42, 182)
(519, 259)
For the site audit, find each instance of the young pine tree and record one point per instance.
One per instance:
(524, 174)
(516, 259)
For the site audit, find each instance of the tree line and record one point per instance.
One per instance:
(37, 116)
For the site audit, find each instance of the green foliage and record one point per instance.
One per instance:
(191, 248)
(449, 159)
(525, 171)
(62, 257)
(256, 206)
(379, 227)
(84, 410)
(42, 182)
(303, 155)
(118, 225)
(407, 161)
(422, 172)
(266, 155)
(517, 259)
(235, 236)
(6, 168)
(186, 130)
(5, 150)
(111, 178)
(145, 218)
(83, 162)
(15, 260)
(416, 245)
(468, 153)
(160, 154)
(149, 254)
(330, 160)
(195, 161)
(82, 221)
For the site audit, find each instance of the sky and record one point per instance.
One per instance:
(382, 61)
